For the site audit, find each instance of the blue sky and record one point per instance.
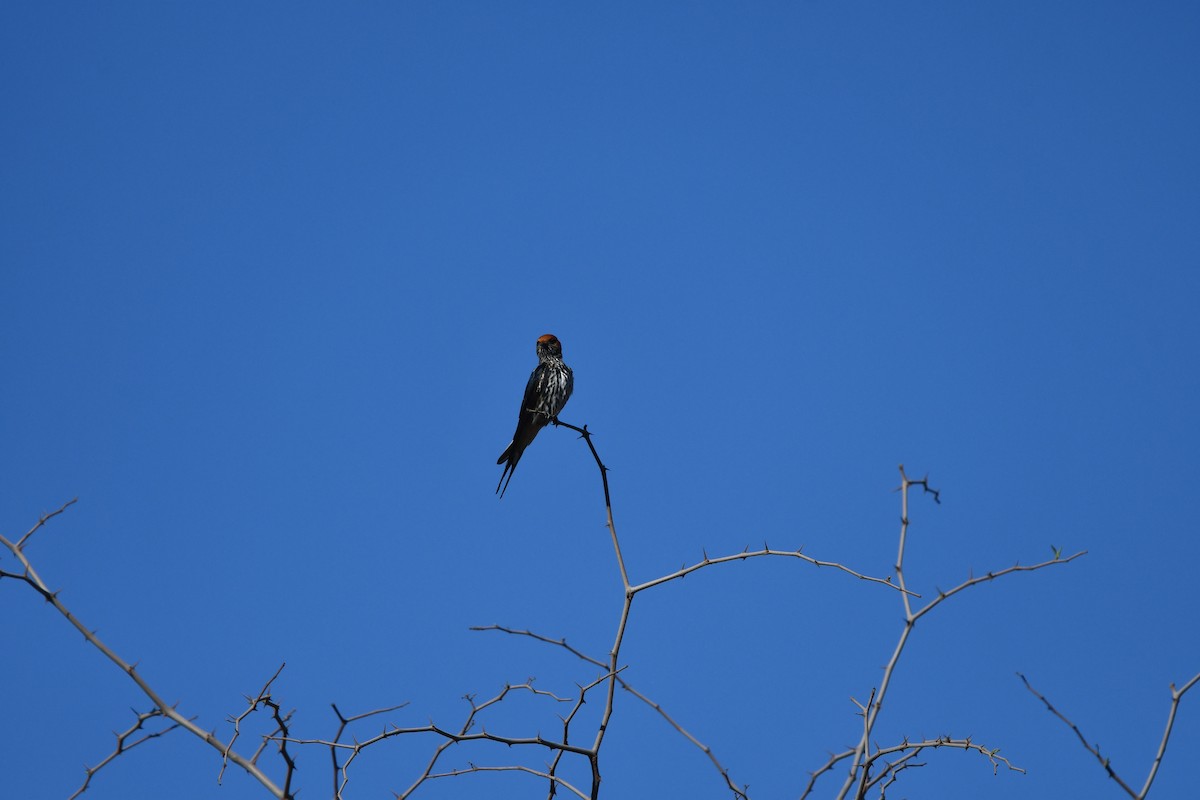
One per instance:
(272, 279)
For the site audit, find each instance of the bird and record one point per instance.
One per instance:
(549, 387)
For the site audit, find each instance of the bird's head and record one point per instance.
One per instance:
(548, 345)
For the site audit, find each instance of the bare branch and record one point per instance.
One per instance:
(1176, 696)
(44, 519)
(558, 642)
(870, 766)
(449, 737)
(737, 793)
(865, 712)
(567, 720)
(992, 754)
(624, 685)
(834, 760)
(766, 551)
(263, 694)
(123, 744)
(343, 722)
(923, 483)
(279, 734)
(586, 435)
(1094, 749)
(614, 653)
(906, 751)
(861, 757)
(168, 711)
(991, 576)
(554, 779)
(892, 770)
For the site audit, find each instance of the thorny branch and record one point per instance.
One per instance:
(858, 778)
(1094, 749)
(765, 551)
(281, 730)
(282, 735)
(630, 591)
(451, 737)
(557, 642)
(44, 519)
(586, 435)
(905, 752)
(343, 722)
(614, 653)
(869, 767)
(739, 794)
(124, 745)
(550, 776)
(166, 710)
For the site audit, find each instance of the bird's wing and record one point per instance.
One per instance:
(533, 390)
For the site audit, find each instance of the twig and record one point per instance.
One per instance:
(586, 435)
(44, 519)
(554, 779)
(566, 725)
(614, 653)
(766, 551)
(992, 754)
(1176, 696)
(630, 591)
(861, 757)
(557, 642)
(124, 745)
(737, 793)
(343, 722)
(254, 703)
(627, 687)
(168, 711)
(991, 576)
(1094, 749)
(449, 737)
(907, 750)
(893, 769)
